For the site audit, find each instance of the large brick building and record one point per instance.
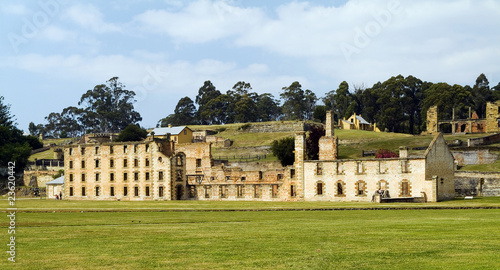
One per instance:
(161, 169)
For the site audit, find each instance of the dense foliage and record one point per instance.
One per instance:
(14, 146)
(132, 133)
(312, 141)
(398, 104)
(106, 108)
(283, 149)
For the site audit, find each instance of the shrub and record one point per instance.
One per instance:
(132, 133)
(245, 126)
(283, 150)
(384, 153)
(222, 129)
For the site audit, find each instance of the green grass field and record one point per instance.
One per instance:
(85, 235)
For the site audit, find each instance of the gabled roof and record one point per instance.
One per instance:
(57, 181)
(437, 137)
(172, 130)
(361, 120)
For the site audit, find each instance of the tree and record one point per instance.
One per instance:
(242, 106)
(108, 107)
(297, 103)
(14, 147)
(480, 94)
(184, 114)
(319, 113)
(267, 108)
(447, 97)
(342, 99)
(413, 95)
(312, 141)
(339, 100)
(132, 133)
(369, 106)
(389, 96)
(36, 129)
(6, 119)
(283, 150)
(206, 93)
(216, 110)
(245, 110)
(495, 94)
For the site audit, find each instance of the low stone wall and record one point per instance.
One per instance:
(476, 156)
(282, 127)
(38, 178)
(484, 140)
(470, 183)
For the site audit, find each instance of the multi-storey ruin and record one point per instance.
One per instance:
(473, 124)
(159, 168)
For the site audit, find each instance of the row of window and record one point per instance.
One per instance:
(112, 191)
(240, 191)
(360, 188)
(111, 163)
(361, 167)
(97, 176)
(244, 178)
(111, 149)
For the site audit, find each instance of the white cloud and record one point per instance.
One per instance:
(54, 33)
(14, 9)
(200, 21)
(89, 17)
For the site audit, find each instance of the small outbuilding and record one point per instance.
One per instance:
(55, 187)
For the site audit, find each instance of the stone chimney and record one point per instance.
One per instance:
(328, 144)
(300, 156)
(329, 132)
(403, 152)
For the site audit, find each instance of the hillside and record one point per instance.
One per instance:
(351, 142)
(247, 142)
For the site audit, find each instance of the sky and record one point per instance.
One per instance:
(53, 51)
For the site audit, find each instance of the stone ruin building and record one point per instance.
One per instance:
(473, 124)
(159, 168)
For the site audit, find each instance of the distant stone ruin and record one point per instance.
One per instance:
(473, 124)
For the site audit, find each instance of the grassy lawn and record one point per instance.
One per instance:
(351, 141)
(49, 154)
(29, 204)
(397, 239)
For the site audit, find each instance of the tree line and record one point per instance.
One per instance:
(107, 107)
(398, 104)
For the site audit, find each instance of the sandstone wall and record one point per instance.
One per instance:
(41, 176)
(371, 174)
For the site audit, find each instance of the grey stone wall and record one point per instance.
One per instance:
(469, 183)
(283, 127)
(478, 156)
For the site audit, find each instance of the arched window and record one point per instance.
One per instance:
(360, 188)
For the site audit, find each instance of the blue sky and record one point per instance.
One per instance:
(52, 51)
